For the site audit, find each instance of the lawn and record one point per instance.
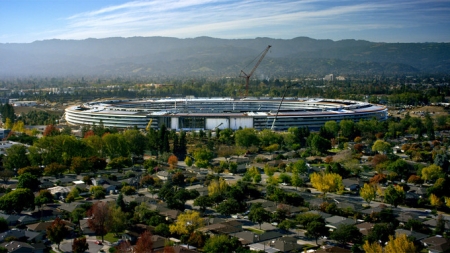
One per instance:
(256, 231)
(110, 237)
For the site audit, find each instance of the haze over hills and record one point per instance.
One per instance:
(205, 56)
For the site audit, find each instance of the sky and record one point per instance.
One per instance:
(25, 21)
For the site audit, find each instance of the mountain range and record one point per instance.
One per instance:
(205, 56)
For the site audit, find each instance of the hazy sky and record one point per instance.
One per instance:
(375, 20)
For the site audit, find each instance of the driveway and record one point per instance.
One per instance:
(66, 245)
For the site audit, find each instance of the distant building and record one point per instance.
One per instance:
(24, 103)
(4, 133)
(329, 77)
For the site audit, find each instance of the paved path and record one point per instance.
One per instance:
(66, 245)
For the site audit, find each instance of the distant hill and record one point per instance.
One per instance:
(205, 56)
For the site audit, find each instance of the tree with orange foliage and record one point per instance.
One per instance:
(88, 134)
(99, 213)
(144, 244)
(377, 179)
(51, 130)
(172, 161)
(414, 179)
(378, 158)
(169, 249)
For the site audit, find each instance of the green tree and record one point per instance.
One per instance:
(3, 225)
(380, 233)
(57, 231)
(394, 195)
(15, 157)
(54, 169)
(116, 145)
(429, 126)
(117, 219)
(27, 180)
(319, 143)
(246, 137)
(315, 229)
(258, 214)
(203, 202)
(79, 164)
(347, 233)
(136, 141)
(432, 172)
(17, 201)
(381, 147)
(229, 207)
(221, 243)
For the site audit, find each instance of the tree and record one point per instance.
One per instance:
(99, 213)
(221, 243)
(6, 174)
(394, 195)
(188, 161)
(435, 201)
(258, 214)
(228, 207)
(327, 182)
(318, 143)
(203, 202)
(3, 225)
(119, 163)
(33, 170)
(380, 233)
(368, 193)
(296, 180)
(173, 161)
(55, 169)
(17, 201)
(442, 160)
(80, 245)
(15, 157)
(299, 167)
(79, 164)
(381, 147)
(372, 247)
(432, 172)
(51, 130)
(44, 197)
(136, 141)
(29, 181)
(57, 231)
(186, 223)
(77, 215)
(217, 187)
(347, 233)
(246, 137)
(116, 222)
(401, 244)
(316, 229)
(98, 191)
(144, 244)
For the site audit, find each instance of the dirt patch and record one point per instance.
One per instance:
(434, 111)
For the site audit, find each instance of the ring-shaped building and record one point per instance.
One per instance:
(212, 113)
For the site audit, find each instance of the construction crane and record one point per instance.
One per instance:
(149, 125)
(247, 76)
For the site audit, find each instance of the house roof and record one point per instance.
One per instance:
(418, 236)
(18, 233)
(16, 246)
(329, 248)
(365, 227)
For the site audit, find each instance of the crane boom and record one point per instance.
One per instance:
(247, 76)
